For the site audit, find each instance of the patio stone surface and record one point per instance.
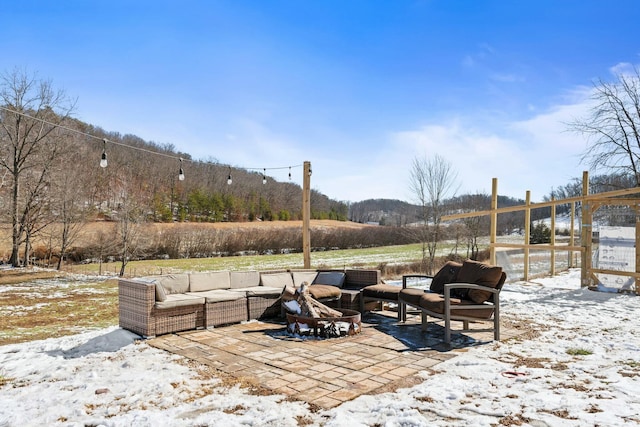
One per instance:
(386, 355)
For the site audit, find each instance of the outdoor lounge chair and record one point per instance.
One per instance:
(468, 292)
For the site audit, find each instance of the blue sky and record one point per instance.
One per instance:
(358, 88)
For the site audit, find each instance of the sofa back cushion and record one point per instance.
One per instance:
(208, 281)
(244, 279)
(276, 280)
(333, 278)
(447, 274)
(161, 295)
(174, 283)
(303, 276)
(480, 274)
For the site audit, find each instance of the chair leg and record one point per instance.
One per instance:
(424, 321)
(447, 328)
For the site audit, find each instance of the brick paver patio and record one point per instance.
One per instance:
(325, 372)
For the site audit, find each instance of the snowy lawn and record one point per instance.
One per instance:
(580, 367)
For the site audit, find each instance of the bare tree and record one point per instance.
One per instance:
(431, 181)
(130, 220)
(475, 226)
(69, 212)
(29, 143)
(613, 125)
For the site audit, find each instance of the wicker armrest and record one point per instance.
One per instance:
(136, 301)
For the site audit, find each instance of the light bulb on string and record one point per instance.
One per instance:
(103, 159)
(181, 173)
(264, 176)
(229, 180)
(289, 173)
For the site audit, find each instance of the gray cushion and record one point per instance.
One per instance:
(175, 283)
(161, 295)
(303, 276)
(209, 280)
(261, 291)
(244, 279)
(276, 280)
(333, 278)
(180, 300)
(219, 295)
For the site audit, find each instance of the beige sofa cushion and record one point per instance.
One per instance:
(276, 280)
(161, 295)
(179, 300)
(218, 295)
(244, 279)
(263, 291)
(303, 276)
(175, 283)
(209, 280)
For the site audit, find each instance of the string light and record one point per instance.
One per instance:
(103, 160)
(181, 173)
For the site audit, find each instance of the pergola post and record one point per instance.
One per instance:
(306, 214)
(494, 221)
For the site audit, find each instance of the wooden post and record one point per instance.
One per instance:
(306, 214)
(553, 237)
(586, 233)
(494, 221)
(571, 233)
(637, 247)
(527, 233)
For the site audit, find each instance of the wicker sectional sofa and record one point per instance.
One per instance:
(157, 305)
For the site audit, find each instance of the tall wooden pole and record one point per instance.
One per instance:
(586, 233)
(572, 233)
(306, 214)
(494, 221)
(527, 233)
(553, 237)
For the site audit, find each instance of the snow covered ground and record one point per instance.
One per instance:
(583, 369)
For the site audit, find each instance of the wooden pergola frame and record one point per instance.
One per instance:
(590, 204)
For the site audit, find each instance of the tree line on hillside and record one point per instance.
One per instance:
(51, 182)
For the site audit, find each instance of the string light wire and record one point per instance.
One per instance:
(105, 140)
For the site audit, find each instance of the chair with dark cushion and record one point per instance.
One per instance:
(479, 285)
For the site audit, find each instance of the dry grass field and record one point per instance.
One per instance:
(93, 229)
